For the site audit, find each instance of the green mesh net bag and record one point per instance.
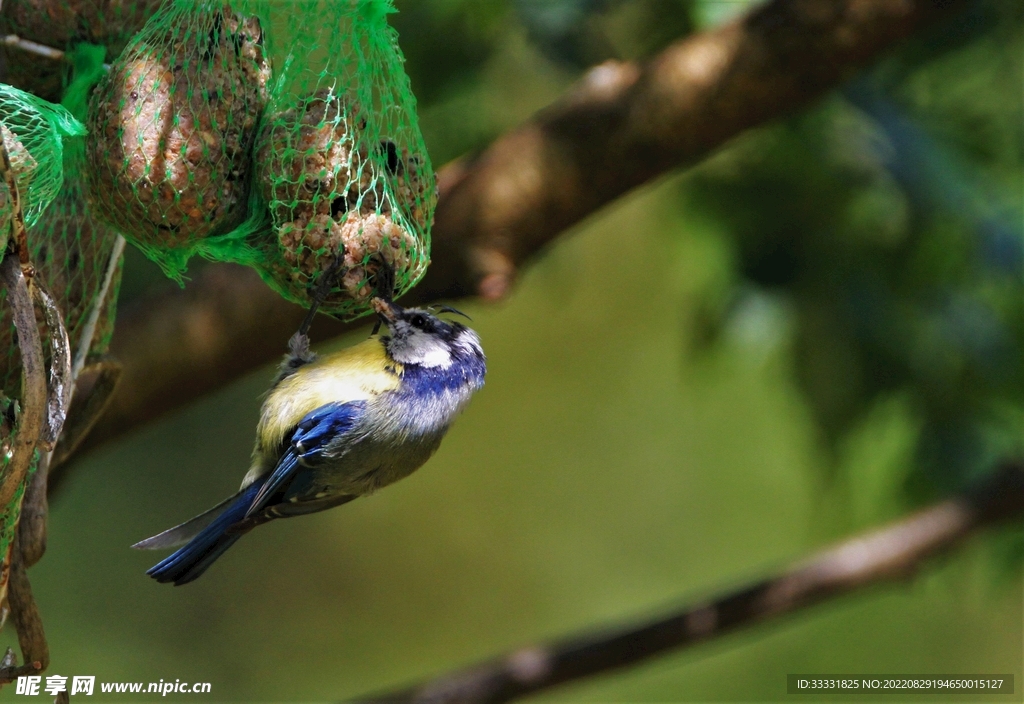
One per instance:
(335, 171)
(60, 24)
(41, 140)
(75, 256)
(172, 127)
(340, 164)
(33, 132)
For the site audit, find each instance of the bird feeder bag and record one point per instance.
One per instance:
(341, 169)
(33, 132)
(335, 171)
(172, 127)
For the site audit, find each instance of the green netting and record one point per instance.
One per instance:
(336, 167)
(61, 24)
(33, 131)
(340, 163)
(70, 252)
(70, 249)
(172, 127)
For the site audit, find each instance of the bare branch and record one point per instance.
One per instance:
(38, 425)
(89, 329)
(25, 616)
(33, 387)
(27, 622)
(625, 124)
(92, 383)
(61, 384)
(33, 422)
(32, 47)
(621, 126)
(896, 551)
(34, 511)
(9, 674)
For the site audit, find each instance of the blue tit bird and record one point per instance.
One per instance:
(337, 427)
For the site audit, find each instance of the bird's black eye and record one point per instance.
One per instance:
(417, 320)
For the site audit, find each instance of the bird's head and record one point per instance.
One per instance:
(419, 337)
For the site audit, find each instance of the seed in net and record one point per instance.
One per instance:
(304, 156)
(404, 184)
(171, 130)
(329, 199)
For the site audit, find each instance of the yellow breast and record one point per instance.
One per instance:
(356, 373)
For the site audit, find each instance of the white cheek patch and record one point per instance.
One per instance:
(469, 343)
(417, 347)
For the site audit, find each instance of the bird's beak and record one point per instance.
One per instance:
(386, 310)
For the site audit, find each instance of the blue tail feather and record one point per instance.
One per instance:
(192, 559)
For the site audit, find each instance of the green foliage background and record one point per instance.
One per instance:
(810, 333)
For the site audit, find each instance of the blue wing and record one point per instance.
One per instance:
(189, 562)
(306, 446)
(213, 532)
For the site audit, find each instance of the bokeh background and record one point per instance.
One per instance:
(812, 332)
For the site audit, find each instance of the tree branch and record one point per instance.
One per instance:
(38, 424)
(621, 126)
(32, 417)
(896, 551)
(27, 621)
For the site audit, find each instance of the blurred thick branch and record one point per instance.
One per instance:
(621, 126)
(896, 551)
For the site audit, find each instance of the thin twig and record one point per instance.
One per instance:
(896, 551)
(89, 329)
(9, 674)
(101, 376)
(86, 411)
(623, 125)
(13, 40)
